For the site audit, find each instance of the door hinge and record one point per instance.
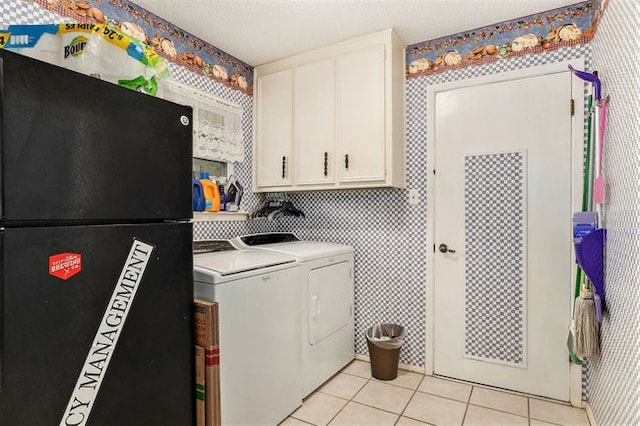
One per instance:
(434, 248)
(572, 107)
(434, 171)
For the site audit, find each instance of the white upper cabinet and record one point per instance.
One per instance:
(361, 116)
(337, 113)
(315, 118)
(274, 117)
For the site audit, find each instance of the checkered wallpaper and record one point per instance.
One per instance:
(24, 12)
(242, 171)
(495, 246)
(614, 378)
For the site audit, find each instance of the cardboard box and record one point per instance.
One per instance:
(212, 387)
(207, 336)
(206, 323)
(200, 386)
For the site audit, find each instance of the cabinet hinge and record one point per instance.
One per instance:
(572, 107)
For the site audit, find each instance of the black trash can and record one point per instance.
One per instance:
(384, 342)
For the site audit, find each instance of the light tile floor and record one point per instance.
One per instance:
(352, 397)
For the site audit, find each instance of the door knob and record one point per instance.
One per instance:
(444, 249)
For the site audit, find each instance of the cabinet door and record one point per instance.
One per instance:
(361, 115)
(314, 105)
(274, 130)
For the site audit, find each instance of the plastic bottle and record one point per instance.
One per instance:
(198, 196)
(211, 194)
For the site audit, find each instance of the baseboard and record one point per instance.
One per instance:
(401, 366)
(575, 385)
(592, 419)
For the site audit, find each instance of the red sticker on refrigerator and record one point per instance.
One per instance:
(65, 265)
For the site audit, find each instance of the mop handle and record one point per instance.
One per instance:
(591, 78)
(602, 118)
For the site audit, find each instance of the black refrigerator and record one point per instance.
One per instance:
(96, 270)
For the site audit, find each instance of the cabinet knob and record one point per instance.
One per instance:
(284, 166)
(326, 163)
(346, 161)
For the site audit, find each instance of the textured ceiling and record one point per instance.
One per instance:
(261, 31)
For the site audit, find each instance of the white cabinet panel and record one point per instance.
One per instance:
(273, 152)
(361, 115)
(314, 106)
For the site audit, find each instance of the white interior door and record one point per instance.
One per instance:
(503, 188)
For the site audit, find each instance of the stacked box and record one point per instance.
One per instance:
(207, 336)
(200, 386)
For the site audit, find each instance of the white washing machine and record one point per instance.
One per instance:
(327, 301)
(258, 295)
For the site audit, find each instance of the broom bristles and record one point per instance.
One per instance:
(587, 326)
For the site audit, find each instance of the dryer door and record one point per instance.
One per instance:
(330, 300)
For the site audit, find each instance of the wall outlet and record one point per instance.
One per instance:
(413, 197)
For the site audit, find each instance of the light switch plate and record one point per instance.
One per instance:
(413, 197)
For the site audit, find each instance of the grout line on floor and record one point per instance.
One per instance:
(501, 411)
(378, 408)
(408, 402)
(453, 380)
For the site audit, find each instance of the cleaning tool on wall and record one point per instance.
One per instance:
(592, 78)
(590, 257)
(598, 186)
(586, 325)
(590, 250)
(588, 239)
(599, 110)
(587, 190)
(584, 223)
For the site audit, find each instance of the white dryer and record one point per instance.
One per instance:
(258, 295)
(327, 301)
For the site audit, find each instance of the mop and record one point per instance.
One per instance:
(587, 326)
(585, 339)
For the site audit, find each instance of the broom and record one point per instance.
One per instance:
(587, 326)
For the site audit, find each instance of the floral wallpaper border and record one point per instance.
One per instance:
(169, 41)
(543, 31)
(532, 34)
